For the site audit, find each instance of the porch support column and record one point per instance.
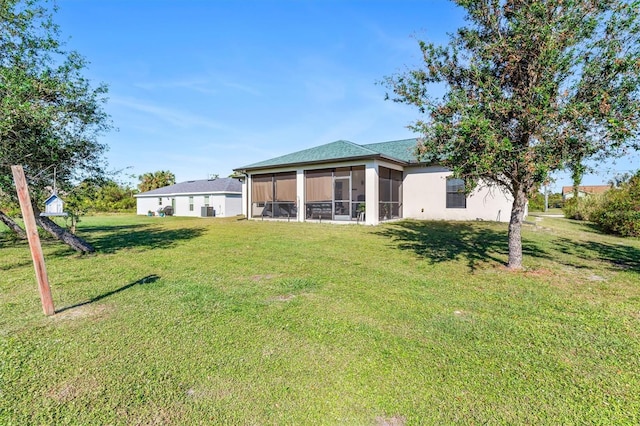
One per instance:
(371, 194)
(245, 197)
(300, 195)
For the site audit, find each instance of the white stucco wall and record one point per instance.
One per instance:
(144, 204)
(424, 197)
(225, 205)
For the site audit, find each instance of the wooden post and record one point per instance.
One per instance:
(34, 240)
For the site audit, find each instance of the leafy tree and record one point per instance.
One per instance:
(97, 195)
(50, 115)
(530, 87)
(111, 196)
(536, 202)
(578, 170)
(78, 202)
(620, 179)
(155, 180)
(556, 200)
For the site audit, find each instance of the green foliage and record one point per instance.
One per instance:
(536, 202)
(556, 201)
(619, 212)
(570, 208)
(77, 202)
(98, 196)
(619, 179)
(50, 115)
(155, 180)
(531, 87)
(113, 197)
(583, 208)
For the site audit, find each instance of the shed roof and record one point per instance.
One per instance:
(53, 197)
(587, 189)
(225, 185)
(401, 151)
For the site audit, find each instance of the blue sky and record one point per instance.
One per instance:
(203, 87)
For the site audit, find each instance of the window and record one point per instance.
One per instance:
(274, 195)
(456, 198)
(190, 204)
(159, 201)
(206, 201)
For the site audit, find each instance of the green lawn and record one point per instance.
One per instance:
(225, 321)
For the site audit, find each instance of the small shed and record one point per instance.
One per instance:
(53, 206)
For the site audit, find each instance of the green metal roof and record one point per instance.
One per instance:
(402, 151)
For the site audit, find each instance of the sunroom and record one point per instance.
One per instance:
(332, 193)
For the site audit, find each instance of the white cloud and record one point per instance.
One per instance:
(179, 118)
(199, 85)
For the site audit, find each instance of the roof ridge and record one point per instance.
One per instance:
(341, 150)
(392, 141)
(196, 186)
(356, 145)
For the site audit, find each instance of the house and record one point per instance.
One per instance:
(345, 182)
(53, 206)
(220, 197)
(567, 191)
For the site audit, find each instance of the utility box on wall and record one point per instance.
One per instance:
(207, 212)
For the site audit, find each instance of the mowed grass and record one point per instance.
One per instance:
(225, 321)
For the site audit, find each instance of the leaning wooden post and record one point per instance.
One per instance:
(34, 240)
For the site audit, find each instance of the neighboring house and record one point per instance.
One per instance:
(343, 181)
(53, 206)
(567, 191)
(220, 197)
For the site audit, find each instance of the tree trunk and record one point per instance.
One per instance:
(515, 230)
(13, 226)
(63, 235)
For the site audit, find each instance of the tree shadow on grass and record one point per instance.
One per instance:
(446, 241)
(618, 256)
(146, 280)
(15, 265)
(110, 239)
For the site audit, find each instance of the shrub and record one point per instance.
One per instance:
(570, 209)
(619, 213)
(536, 203)
(583, 208)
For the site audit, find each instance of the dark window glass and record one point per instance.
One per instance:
(456, 198)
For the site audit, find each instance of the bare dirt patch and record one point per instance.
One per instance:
(282, 298)
(595, 277)
(391, 421)
(74, 388)
(538, 272)
(257, 278)
(89, 310)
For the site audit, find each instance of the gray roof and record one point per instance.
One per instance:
(402, 151)
(204, 186)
